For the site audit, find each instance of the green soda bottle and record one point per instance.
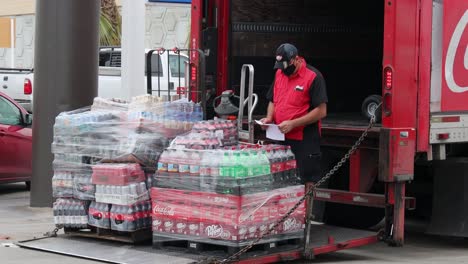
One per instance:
(226, 173)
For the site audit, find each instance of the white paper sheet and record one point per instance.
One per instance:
(272, 131)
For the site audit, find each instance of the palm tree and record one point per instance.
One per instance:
(110, 24)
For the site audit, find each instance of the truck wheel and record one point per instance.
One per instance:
(370, 106)
(28, 185)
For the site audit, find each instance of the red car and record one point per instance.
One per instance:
(15, 142)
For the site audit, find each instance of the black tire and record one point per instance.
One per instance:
(28, 185)
(342, 214)
(369, 105)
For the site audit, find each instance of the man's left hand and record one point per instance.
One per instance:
(286, 126)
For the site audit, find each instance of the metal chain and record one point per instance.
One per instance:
(309, 193)
(54, 232)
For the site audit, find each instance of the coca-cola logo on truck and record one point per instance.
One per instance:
(163, 210)
(454, 45)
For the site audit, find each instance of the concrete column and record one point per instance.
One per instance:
(133, 47)
(65, 77)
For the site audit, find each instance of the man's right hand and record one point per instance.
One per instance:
(266, 120)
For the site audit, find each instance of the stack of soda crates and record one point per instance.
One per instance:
(226, 196)
(122, 201)
(112, 196)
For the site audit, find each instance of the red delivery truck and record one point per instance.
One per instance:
(411, 55)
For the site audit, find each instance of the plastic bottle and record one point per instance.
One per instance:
(264, 163)
(290, 166)
(214, 164)
(226, 173)
(195, 159)
(172, 169)
(239, 172)
(197, 114)
(56, 217)
(138, 219)
(66, 212)
(131, 221)
(133, 189)
(143, 188)
(283, 162)
(83, 216)
(205, 171)
(76, 214)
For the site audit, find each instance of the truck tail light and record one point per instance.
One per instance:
(193, 74)
(443, 136)
(451, 119)
(388, 78)
(27, 86)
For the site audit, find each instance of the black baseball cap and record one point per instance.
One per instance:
(284, 54)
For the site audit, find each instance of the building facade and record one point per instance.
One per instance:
(167, 25)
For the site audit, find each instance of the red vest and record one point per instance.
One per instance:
(291, 97)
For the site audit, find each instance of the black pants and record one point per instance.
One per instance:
(308, 163)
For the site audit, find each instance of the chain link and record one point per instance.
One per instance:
(54, 232)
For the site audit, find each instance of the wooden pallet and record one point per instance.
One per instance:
(211, 247)
(139, 236)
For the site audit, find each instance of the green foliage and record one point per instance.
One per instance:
(109, 35)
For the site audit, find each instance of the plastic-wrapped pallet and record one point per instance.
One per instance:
(226, 196)
(104, 154)
(85, 137)
(226, 219)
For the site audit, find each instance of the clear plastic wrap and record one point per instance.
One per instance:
(120, 217)
(112, 131)
(117, 174)
(238, 171)
(71, 213)
(131, 218)
(226, 219)
(122, 195)
(226, 196)
(99, 215)
(114, 104)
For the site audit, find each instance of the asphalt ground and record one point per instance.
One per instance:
(20, 222)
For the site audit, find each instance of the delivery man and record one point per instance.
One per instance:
(297, 103)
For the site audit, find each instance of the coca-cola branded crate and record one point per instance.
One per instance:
(117, 174)
(225, 218)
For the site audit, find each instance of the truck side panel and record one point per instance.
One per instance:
(454, 96)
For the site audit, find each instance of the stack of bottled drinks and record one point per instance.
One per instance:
(123, 184)
(122, 218)
(233, 171)
(226, 195)
(111, 131)
(70, 213)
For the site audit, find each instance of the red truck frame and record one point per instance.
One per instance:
(424, 98)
